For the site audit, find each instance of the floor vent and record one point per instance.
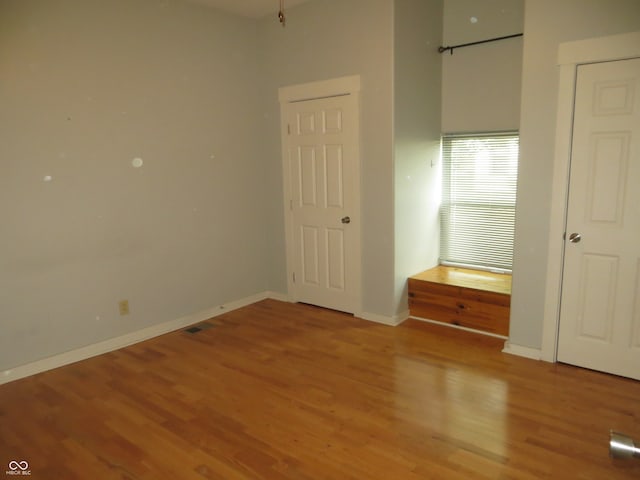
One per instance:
(199, 327)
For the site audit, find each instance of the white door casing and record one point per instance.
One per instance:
(320, 132)
(600, 303)
(570, 56)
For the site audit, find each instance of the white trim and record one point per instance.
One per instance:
(282, 297)
(349, 85)
(391, 321)
(522, 351)
(570, 55)
(320, 89)
(458, 327)
(602, 49)
(555, 259)
(122, 341)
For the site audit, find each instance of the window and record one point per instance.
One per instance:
(477, 215)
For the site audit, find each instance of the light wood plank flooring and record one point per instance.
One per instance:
(280, 391)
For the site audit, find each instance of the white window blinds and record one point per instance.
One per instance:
(478, 200)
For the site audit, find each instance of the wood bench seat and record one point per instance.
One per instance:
(468, 298)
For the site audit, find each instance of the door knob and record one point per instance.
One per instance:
(346, 220)
(575, 238)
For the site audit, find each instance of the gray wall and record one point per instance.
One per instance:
(481, 83)
(89, 86)
(547, 24)
(416, 89)
(322, 40)
(85, 87)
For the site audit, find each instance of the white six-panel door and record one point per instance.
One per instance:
(600, 303)
(321, 162)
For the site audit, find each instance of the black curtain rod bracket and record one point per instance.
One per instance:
(451, 48)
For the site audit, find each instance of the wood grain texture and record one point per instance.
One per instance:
(468, 298)
(467, 308)
(467, 278)
(292, 392)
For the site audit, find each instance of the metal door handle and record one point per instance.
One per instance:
(346, 220)
(575, 238)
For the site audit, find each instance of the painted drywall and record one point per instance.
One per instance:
(329, 39)
(547, 24)
(481, 83)
(417, 85)
(86, 87)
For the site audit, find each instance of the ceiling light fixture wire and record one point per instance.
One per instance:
(281, 17)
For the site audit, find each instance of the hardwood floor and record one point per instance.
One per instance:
(281, 391)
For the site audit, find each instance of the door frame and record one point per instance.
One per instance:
(349, 85)
(570, 56)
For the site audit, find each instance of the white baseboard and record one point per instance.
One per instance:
(401, 317)
(392, 321)
(282, 297)
(458, 327)
(521, 351)
(112, 344)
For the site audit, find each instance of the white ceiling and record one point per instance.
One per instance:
(251, 8)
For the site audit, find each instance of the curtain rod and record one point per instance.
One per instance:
(444, 49)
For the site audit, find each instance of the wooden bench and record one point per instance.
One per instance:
(468, 298)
